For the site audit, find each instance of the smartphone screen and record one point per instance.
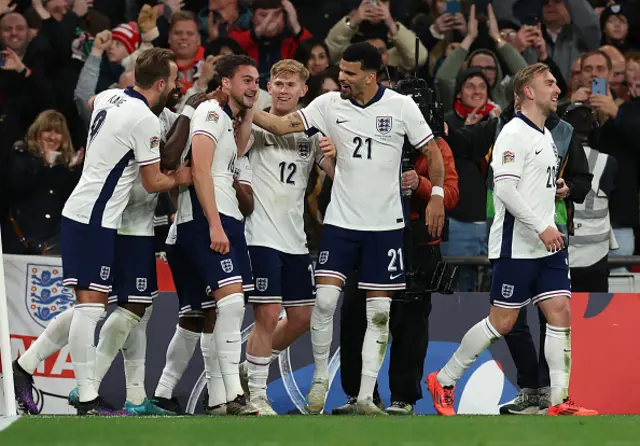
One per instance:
(482, 7)
(599, 86)
(453, 7)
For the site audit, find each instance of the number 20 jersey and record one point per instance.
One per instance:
(124, 134)
(369, 139)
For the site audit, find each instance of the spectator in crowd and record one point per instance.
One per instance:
(374, 23)
(632, 73)
(221, 17)
(471, 101)
(184, 41)
(314, 55)
(619, 64)
(615, 135)
(42, 173)
(271, 38)
(575, 81)
(321, 83)
(25, 88)
(486, 60)
(570, 27)
(615, 27)
(436, 25)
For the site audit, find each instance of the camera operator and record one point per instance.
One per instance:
(410, 309)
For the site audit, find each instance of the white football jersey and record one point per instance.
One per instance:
(216, 123)
(137, 218)
(524, 153)
(281, 166)
(124, 134)
(243, 172)
(369, 139)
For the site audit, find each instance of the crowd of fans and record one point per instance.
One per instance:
(56, 54)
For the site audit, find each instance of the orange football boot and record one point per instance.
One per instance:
(569, 408)
(442, 398)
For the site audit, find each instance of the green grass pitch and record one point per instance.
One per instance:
(325, 431)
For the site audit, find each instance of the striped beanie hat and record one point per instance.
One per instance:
(128, 34)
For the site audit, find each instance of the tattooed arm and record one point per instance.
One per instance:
(435, 207)
(278, 125)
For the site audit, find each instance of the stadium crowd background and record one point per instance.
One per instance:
(56, 54)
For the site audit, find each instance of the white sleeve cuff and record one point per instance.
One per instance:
(187, 111)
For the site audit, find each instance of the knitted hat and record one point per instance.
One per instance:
(610, 11)
(127, 34)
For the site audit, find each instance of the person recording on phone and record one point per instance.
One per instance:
(616, 135)
(410, 309)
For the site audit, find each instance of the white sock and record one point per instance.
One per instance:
(475, 341)
(557, 351)
(134, 352)
(258, 373)
(179, 354)
(374, 346)
(83, 353)
(215, 383)
(322, 328)
(229, 342)
(54, 337)
(113, 335)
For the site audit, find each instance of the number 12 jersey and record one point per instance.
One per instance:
(369, 139)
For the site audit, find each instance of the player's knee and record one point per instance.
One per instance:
(299, 320)
(557, 311)
(137, 309)
(378, 312)
(266, 316)
(326, 303)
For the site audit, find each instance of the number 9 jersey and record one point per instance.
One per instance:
(369, 139)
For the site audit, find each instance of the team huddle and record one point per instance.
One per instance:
(239, 176)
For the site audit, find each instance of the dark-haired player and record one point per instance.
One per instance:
(364, 220)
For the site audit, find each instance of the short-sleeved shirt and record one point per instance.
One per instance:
(366, 191)
(123, 135)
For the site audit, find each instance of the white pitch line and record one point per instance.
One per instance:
(5, 422)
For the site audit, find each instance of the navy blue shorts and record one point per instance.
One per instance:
(516, 282)
(217, 270)
(134, 271)
(191, 289)
(88, 253)
(377, 255)
(281, 278)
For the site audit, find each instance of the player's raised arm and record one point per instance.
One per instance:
(242, 184)
(279, 125)
(179, 133)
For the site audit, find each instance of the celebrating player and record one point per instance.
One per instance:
(525, 247)
(277, 242)
(364, 219)
(210, 227)
(124, 139)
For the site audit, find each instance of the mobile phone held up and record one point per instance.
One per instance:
(482, 8)
(599, 86)
(453, 7)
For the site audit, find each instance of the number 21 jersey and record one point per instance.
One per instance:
(369, 139)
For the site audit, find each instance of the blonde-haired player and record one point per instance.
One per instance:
(280, 260)
(525, 247)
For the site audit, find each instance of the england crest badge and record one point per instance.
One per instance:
(227, 265)
(383, 124)
(507, 290)
(304, 148)
(45, 296)
(262, 283)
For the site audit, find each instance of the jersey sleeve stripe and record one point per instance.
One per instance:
(425, 140)
(244, 182)
(149, 161)
(205, 133)
(304, 120)
(506, 176)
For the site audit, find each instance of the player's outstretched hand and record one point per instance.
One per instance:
(183, 174)
(435, 215)
(196, 100)
(553, 239)
(219, 240)
(219, 96)
(327, 146)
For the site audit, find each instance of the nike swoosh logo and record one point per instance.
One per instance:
(395, 277)
(268, 145)
(231, 130)
(539, 151)
(380, 342)
(233, 342)
(339, 121)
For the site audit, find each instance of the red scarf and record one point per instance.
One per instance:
(464, 111)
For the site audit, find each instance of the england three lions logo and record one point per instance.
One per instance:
(383, 124)
(45, 296)
(262, 283)
(227, 265)
(507, 290)
(141, 284)
(323, 257)
(304, 149)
